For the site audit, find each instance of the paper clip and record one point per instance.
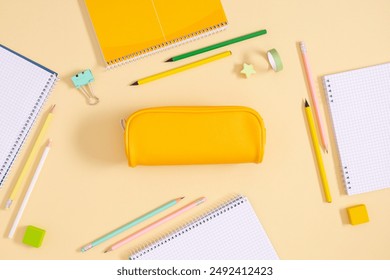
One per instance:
(82, 81)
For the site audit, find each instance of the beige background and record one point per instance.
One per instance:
(86, 188)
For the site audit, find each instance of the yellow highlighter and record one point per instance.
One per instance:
(181, 68)
(30, 158)
(316, 144)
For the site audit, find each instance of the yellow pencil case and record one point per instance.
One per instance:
(194, 135)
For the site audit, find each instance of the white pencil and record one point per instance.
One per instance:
(29, 190)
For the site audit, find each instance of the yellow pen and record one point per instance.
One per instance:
(30, 158)
(181, 68)
(316, 144)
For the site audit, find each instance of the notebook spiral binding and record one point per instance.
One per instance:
(344, 169)
(328, 90)
(210, 213)
(346, 176)
(166, 45)
(33, 115)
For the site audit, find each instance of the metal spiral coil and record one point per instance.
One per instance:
(165, 46)
(209, 214)
(33, 115)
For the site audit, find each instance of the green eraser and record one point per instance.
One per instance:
(34, 236)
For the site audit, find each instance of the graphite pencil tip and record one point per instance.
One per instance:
(135, 84)
(52, 108)
(169, 60)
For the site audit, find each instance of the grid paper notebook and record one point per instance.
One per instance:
(229, 232)
(130, 30)
(24, 88)
(359, 102)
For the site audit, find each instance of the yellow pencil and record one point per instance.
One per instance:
(30, 158)
(181, 68)
(316, 144)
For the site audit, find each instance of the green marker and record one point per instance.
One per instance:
(218, 45)
(131, 224)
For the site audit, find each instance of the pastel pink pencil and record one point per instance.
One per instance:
(156, 224)
(309, 77)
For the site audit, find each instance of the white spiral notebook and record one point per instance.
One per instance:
(231, 231)
(359, 102)
(24, 88)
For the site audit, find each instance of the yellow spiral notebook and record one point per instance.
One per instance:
(129, 30)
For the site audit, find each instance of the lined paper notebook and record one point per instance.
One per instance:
(359, 102)
(232, 231)
(24, 88)
(129, 30)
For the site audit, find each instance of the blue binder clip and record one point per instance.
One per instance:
(82, 81)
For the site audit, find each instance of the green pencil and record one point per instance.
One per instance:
(131, 224)
(218, 45)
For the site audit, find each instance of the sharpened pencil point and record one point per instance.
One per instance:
(306, 103)
(135, 83)
(8, 204)
(169, 60)
(106, 251)
(52, 108)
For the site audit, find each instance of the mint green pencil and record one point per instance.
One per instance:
(218, 45)
(131, 224)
